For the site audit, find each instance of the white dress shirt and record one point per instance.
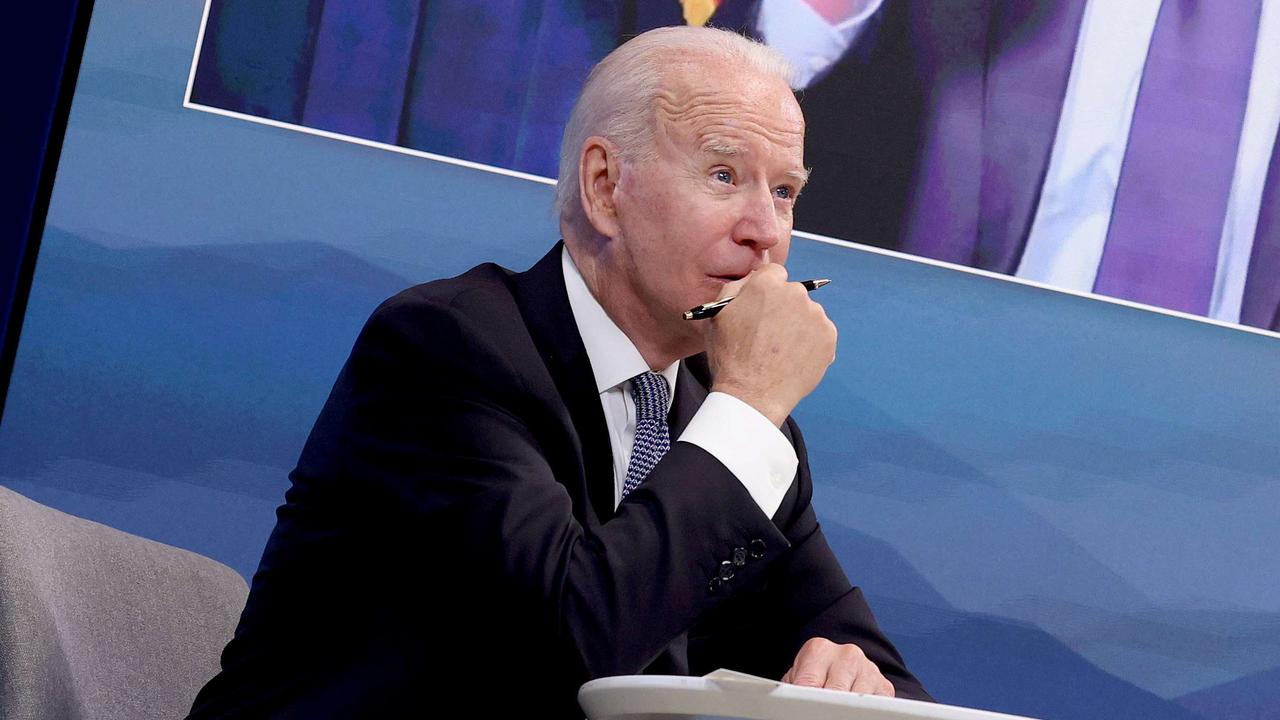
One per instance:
(1070, 227)
(811, 43)
(736, 434)
(1069, 231)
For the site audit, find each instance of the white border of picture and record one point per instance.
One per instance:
(186, 103)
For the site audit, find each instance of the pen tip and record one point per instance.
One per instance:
(819, 283)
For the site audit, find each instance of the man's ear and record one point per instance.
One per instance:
(598, 168)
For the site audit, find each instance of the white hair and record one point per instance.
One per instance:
(618, 99)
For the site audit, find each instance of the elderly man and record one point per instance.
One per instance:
(525, 481)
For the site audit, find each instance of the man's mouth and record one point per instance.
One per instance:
(729, 277)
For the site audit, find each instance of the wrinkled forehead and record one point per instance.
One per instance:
(702, 102)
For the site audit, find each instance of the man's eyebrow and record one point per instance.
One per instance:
(718, 147)
(801, 176)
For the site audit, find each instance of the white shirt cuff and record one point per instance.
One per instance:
(743, 440)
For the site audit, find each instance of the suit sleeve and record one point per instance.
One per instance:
(432, 426)
(805, 594)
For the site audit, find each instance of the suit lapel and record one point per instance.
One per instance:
(691, 389)
(1032, 46)
(1261, 307)
(946, 44)
(544, 303)
(692, 382)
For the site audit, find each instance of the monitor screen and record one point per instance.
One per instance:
(1054, 501)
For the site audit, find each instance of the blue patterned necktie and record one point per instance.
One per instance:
(653, 439)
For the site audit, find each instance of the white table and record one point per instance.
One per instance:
(728, 694)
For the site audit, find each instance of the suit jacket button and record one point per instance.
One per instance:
(726, 571)
(715, 585)
(755, 549)
(739, 556)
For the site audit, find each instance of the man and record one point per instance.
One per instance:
(1122, 148)
(520, 481)
(489, 83)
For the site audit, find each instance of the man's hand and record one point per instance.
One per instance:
(822, 663)
(771, 346)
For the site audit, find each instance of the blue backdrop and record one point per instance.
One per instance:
(1058, 507)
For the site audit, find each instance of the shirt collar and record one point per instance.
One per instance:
(614, 358)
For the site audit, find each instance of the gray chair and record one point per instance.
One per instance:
(98, 623)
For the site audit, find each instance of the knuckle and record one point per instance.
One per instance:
(816, 643)
(852, 652)
(807, 678)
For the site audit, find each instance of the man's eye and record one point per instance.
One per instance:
(723, 176)
(784, 192)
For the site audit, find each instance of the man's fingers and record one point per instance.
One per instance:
(868, 680)
(842, 676)
(773, 271)
(822, 663)
(767, 273)
(851, 670)
(810, 667)
(809, 672)
(733, 287)
(811, 677)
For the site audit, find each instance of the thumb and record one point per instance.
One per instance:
(733, 287)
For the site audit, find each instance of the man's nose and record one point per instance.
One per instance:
(758, 224)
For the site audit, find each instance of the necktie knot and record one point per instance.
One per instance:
(653, 439)
(649, 391)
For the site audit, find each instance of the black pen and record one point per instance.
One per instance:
(709, 310)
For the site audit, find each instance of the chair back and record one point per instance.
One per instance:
(98, 623)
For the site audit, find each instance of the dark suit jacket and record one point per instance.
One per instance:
(450, 532)
(933, 136)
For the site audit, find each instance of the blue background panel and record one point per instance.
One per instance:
(1058, 506)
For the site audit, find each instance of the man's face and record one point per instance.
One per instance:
(715, 201)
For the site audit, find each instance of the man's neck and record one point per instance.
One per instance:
(628, 313)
